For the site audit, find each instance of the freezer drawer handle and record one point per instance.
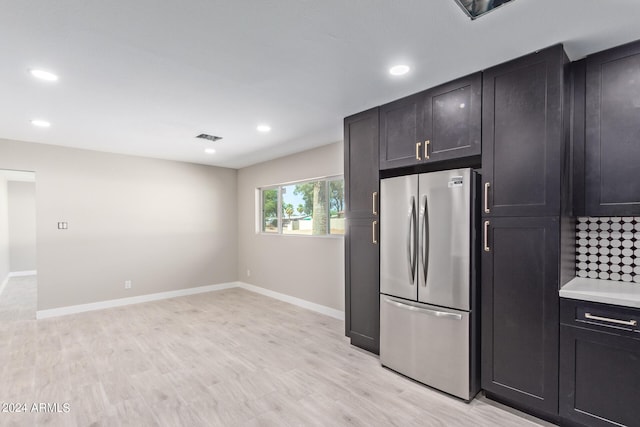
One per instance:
(424, 310)
(616, 321)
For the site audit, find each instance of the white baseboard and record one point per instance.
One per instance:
(73, 309)
(328, 311)
(23, 273)
(4, 283)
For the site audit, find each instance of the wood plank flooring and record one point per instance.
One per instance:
(226, 358)
(18, 300)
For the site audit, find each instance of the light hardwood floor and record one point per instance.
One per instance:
(18, 300)
(226, 358)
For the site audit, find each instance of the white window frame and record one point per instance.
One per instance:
(278, 188)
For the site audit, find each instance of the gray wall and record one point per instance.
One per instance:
(22, 225)
(164, 225)
(307, 267)
(4, 231)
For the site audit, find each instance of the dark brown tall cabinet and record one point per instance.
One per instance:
(362, 283)
(525, 181)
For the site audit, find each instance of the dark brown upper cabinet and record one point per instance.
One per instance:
(441, 123)
(612, 132)
(399, 132)
(361, 133)
(523, 134)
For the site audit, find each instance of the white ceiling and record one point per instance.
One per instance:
(144, 77)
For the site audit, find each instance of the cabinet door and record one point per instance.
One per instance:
(362, 285)
(361, 164)
(399, 132)
(599, 378)
(613, 131)
(520, 312)
(451, 120)
(522, 135)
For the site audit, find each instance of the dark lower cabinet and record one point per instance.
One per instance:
(519, 297)
(362, 272)
(599, 365)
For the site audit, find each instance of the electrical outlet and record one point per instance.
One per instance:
(127, 284)
(248, 273)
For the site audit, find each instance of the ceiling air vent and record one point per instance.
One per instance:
(475, 8)
(209, 137)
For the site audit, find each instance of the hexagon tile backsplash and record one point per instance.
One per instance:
(608, 248)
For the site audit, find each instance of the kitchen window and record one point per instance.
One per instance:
(308, 208)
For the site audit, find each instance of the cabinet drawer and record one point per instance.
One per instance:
(600, 317)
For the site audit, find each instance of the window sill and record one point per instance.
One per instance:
(324, 236)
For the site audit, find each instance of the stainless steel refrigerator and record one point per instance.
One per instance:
(427, 279)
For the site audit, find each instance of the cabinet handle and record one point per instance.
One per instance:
(616, 321)
(486, 237)
(418, 145)
(374, 198)
(374, 239)
(486, 197)
(426, 149)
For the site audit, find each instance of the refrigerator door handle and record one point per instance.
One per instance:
(425, 240)
(424, 310)
(411, 250)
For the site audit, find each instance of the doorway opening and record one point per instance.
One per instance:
(18, 272)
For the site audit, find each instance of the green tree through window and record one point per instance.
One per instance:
(306, 207)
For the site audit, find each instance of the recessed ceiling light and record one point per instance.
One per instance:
(263, 128)
(210, 150)
(399, 70)
(44, 75)
(41, 123)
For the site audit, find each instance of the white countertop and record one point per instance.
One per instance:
(604, 291)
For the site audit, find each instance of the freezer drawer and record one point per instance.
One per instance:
(427, 343)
